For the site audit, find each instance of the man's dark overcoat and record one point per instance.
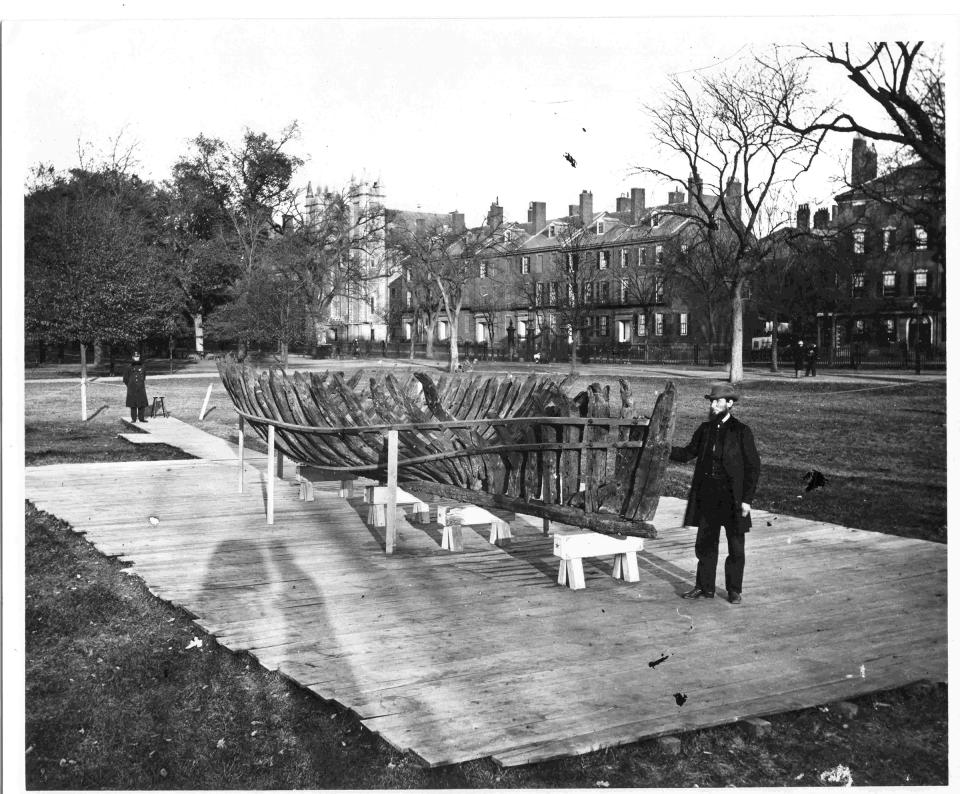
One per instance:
(135, 377)
(741, 462)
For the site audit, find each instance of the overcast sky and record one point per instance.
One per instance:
(447, 113)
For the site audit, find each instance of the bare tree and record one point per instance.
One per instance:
(454, 259)
(739, 159)
(905, 81)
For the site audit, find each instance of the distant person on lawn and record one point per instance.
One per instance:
(812, 360)
(135, 377)
(798, 357)
(724, 483)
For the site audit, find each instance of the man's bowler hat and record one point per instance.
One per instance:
(722, 391)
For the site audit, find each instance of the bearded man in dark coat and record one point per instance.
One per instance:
(135, 377)
(724, 484)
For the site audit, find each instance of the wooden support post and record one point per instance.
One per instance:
(392, 444)
(346, 489)
(546, 526)
(203, 408)
(240, 452)
(271, 469)
(279, 464)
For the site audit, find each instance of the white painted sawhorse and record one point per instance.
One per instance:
(378, 496)
(454, 518)
(573, 547)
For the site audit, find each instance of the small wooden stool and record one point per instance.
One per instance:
(163, 408)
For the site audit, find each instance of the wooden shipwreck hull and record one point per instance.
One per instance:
(520, 443)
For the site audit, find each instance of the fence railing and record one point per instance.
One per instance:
(848, 356)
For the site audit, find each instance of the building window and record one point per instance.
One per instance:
(539, 263)
(658, 324)
(372, 301)
(640, 324)
(407, 330)
(603, 260)
(859, 235)
(553, 293)
(889, 283)
(887, 238)
(521, 328)
(891, 330)
(588, 292)
(603, 325)
(623, 290)
(623, 257)
(409, 299)
(604, 296)
(483, 268)
(538, 293)
(856, 283)
(659, 259)
(919, 282)
(655, 219)
(919, 238)
(658, 289)
(525, 265)
(684, 321)
(623, 331)
(642, 256)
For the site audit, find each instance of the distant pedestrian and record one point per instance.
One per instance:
(798, 357)
(511, 339)
(135, 377)
(356, 348)
(812, 360)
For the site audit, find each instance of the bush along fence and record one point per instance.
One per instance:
(850, 356)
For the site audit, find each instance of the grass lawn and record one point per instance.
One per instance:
(116, 699)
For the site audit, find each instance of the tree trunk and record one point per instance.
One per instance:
(774, 335)
(736, 340)
(198, 332)
(284, 353)
(429, 340)
(573, 351)
(454, 347)
(83, 382)
(97, 353)
(171, 344)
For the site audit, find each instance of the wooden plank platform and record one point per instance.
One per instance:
(481, 654)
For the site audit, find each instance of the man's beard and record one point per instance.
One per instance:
(717, 417)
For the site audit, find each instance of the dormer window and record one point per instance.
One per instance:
(600, 227)
(655, 219)
(551, 231)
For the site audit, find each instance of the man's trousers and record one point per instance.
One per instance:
(717, 510)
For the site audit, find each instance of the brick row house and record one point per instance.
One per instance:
(897, 283)
(617, 262)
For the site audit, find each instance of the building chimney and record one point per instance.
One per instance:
(586, 207)
(537, 216)
(821, 218)
(456, 222)
(638, 202)
(803, 217)
(694, 189)
(863, 162)
(833, 213)
(623, 204)
(495, 215)
(572, 210)
(733, 196)
(676, 197)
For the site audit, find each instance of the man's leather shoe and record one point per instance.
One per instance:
(697, 593)
(734, 597)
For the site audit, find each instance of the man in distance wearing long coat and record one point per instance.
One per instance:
(724, 484)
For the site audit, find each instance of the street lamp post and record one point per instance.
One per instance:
(916, 336)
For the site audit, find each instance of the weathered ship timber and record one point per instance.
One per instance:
(521, 444)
